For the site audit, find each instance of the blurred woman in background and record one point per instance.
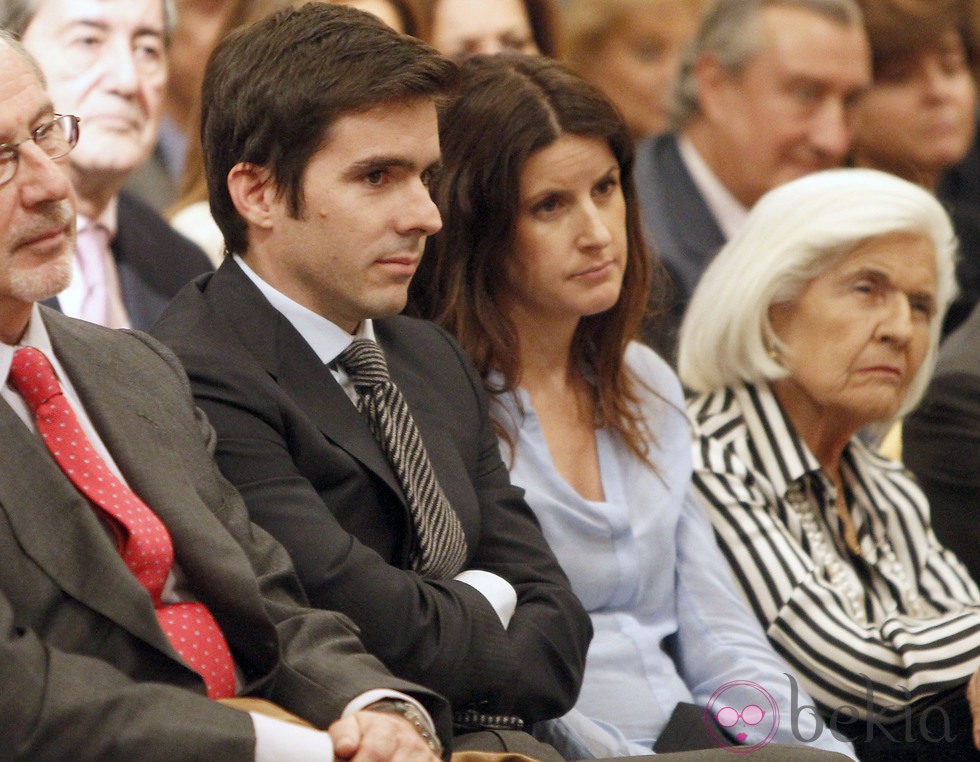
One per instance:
(630, 50)
(919, 118)
(462, 28)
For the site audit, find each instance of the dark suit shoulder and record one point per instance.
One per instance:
(162, 256)
(675, 213)
(188, 306)
(960, 351)
(153, 260)
(208, 341)
(437, 360)
(416, 335)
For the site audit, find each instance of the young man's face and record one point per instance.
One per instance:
(365, 216)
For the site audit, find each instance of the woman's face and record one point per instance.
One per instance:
(637, 64)
(570, 239)
(857, 334)
(463, 28)
(918, 119)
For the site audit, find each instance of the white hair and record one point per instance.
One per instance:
(793, 234)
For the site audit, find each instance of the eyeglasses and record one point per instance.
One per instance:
(56, 138)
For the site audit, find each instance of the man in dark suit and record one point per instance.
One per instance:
(941, 444)
(764, 96)
(92, 659)
(106, 62)
(318, 166)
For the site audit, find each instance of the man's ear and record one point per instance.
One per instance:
(253, 193)
(714, 87)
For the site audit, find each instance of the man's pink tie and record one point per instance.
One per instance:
(91, 244)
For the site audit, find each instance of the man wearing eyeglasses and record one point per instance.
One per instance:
(141, 616)
(106, 62)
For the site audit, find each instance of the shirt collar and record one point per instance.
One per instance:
(109, 219)
(36, 336)
(327, 339)
(783, 455)
(728, 210)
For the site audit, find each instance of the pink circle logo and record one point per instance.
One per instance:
(744, 710)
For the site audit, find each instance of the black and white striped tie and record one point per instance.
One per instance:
(441, 548)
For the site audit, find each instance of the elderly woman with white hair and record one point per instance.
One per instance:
(819, 318)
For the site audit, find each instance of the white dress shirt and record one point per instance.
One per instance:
(328, 340)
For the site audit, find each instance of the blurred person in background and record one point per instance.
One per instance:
(106, 62)
(918, 118)
(199, 25)
(940, 443)
(766, 94)
(403, 16)
(959, 187)
(462, 28)
(631, 50)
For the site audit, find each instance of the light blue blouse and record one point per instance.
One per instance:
(669, 624)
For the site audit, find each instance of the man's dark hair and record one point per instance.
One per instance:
(272, 91)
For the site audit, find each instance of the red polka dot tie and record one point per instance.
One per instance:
(143, 540)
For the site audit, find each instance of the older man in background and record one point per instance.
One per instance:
(106, 62)
(766, 94)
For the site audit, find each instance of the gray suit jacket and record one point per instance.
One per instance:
(86, 671)
(679, 228)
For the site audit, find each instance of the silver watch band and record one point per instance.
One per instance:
(410, 712)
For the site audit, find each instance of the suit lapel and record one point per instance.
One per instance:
(59, 530)
(124, 415)
(288, 359)
(695, 224)
(686, 233)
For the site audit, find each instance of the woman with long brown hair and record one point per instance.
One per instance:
(541, 273)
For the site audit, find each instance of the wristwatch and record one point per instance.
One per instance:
(410, 712)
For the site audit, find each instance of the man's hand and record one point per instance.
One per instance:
(378, 737)
(973, 696)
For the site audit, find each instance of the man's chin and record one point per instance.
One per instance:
(109, 155)
(43, 282)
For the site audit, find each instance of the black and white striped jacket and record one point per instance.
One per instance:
(896, 625)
